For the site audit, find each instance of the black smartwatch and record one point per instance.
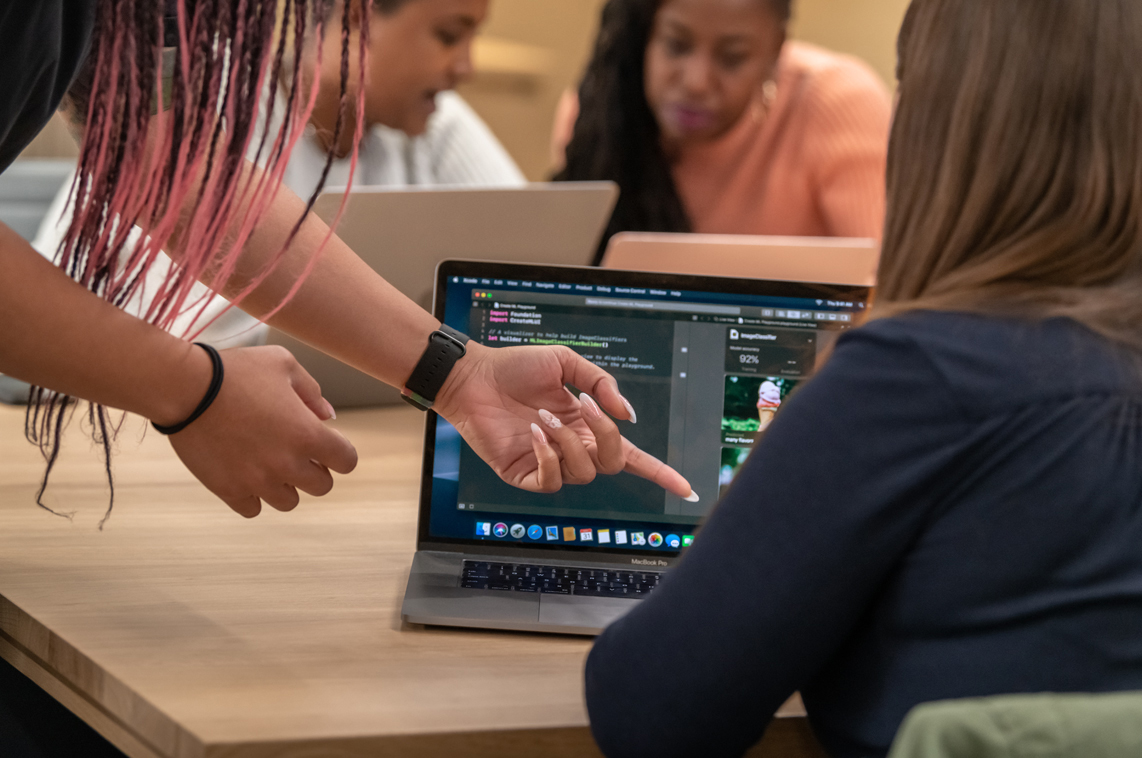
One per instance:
(445, 347)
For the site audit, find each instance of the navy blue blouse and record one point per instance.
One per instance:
(951, 508)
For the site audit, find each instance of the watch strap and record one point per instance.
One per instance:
(445, 346)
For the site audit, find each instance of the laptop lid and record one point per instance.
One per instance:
(705, 361)
(838, 260)
(403, 233)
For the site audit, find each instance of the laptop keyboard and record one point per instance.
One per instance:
(560, 580)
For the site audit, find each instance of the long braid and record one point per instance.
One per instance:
(145, 161)
(616, 136)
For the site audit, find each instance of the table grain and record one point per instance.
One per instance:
(182, 630)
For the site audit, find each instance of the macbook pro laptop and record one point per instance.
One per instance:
(403, 233)
(704, 360)
(837, 260)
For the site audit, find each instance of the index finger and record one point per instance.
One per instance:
(648, 467)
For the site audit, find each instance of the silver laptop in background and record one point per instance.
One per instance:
(706, 361)
(404, 233)
(835, 260)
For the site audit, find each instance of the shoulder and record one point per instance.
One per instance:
(833, 94)
(459, 148)
(454, 127)
(884, 362)
(829, 75)
(992, 364)
(453, 115)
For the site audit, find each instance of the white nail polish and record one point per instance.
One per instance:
(692, 497)
(549, 418)
(538, 434)
(329, 407)
(590, 404)
(630, 410)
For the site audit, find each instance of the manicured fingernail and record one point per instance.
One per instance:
(692, 497)
(630, 410)
(536, 432)
(329, 409)
(549, 418)
(592, 407)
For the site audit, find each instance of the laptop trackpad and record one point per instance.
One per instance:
(582, 611)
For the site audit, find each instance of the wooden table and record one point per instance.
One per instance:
(183, 630)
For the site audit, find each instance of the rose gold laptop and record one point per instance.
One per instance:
(827, 260)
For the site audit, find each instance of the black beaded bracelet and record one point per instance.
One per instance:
(208, 398)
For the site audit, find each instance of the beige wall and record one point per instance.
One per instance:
(519, 104)
(865, 28)
(521, 117)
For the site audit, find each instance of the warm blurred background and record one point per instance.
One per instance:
(531, 50)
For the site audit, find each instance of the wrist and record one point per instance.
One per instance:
(185, 378)
(448, 399)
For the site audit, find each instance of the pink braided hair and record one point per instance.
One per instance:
(177, 168)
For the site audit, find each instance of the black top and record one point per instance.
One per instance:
(42, 45)
(951, 508)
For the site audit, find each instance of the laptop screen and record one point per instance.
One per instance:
(705, 361)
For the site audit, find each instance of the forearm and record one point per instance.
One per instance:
(56, 334)
(343, 308)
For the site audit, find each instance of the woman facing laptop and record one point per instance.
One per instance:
(950, 508)
(711, 122)
(418, 130)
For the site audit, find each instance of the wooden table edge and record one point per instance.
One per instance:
(82, 705)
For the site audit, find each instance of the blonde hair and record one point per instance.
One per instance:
(1015, 162)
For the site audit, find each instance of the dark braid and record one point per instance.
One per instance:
(616, 136)
(226, 51)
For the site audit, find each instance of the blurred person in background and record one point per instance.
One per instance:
(711, 121)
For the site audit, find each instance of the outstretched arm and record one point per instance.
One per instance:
(262, 437)
(350, 312)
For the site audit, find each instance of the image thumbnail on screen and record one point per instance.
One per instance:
(749, 406)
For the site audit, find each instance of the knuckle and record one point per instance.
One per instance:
(279, 353)
(586, 476)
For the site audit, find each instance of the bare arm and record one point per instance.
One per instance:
(343, 308)
(350, 312)
(54, 333)
(262, 439)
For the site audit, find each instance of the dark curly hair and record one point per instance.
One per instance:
(616, 136)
